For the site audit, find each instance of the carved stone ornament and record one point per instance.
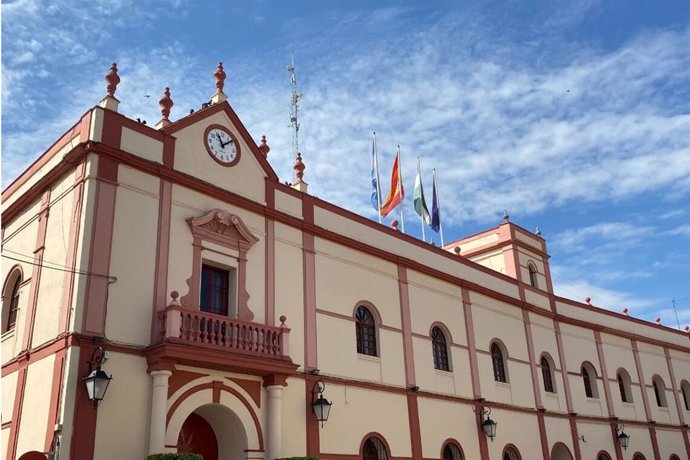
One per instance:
(225, 229)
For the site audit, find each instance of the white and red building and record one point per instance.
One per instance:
(221, 296)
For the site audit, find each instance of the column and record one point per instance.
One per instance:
(159, 409)
(275, 416)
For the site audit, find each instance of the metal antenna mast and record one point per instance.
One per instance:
(295, 97)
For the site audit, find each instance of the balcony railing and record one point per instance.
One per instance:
(195, 327)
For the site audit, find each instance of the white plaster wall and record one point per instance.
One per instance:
(289, 290)
(342, 436)
(288, 204)
(520, 429)
(133, 258)
(32, 430)
(294, 423)
(597, 437)
(443, 420)
(122, 427)
(670, 442)
(141, 145)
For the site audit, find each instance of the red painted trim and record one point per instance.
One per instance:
(532, 362)
(312, 425)
(85, 416)
(481, 436)
(54, 406)
(542, 437)
(451, 441)
(640, 377)
(374, 434)
(101, 246)
(169, 151)
(674, 386)
(413, 420)
(561, 358)
(506, 447)
(559, 444)
(309, 292)
(73, 247)
(655, 442)
(252, 387)
(471, 344)
(75, 130)
(234, 119)
(605, 380)
(218, 387)
(16, 414)
(686, 440)
(406, 321)
(575, 437)
(160, 287)
(270, 273)
(32, 302)
(178, 379)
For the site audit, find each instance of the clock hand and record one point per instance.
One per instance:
(223, 144)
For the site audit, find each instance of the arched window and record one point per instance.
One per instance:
(533, 274)
(603, 456)
(511, 453)
(498, 363)
(685, 389)
(638, 456)
(624, 386)
(10, 299)
(374, 449)
(440, 349)
(589, 379)
(452, 451)
(659, 391)
(547, 374)
(674, 457)
(365, 327)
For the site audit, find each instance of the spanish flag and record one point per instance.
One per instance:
(397, 192)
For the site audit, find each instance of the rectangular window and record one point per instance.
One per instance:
(215, 290)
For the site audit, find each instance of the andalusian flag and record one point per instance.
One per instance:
(397, 192)
(418, 197)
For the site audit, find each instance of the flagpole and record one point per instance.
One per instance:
(421, 217)
(378, 180)
(438, 201)
(402, 201)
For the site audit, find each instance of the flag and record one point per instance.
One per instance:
(418, 197)
(396, 193)
(374, 179)
(435, 208)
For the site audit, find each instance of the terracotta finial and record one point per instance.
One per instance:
(166, 104)
(263, 146)
(658, 321)
(625, 311)
(299, 168)
(112, 79)
(174, 295)
(282, 318)
(588, 300)
(457, 250)
(219, 77)
(394, 224)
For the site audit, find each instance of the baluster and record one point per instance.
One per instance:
(224, 334)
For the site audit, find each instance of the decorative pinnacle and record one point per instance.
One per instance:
(166, 104)
(113, 79)
(299, 168)
(263, 147)
(219, 77)
(506, 216)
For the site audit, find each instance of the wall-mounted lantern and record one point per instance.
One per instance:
(488, 425)
(97, 381)
(321, 406)
(623, 438)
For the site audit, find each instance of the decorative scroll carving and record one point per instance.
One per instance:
(225, 229)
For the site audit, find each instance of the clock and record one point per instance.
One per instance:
(222, 145)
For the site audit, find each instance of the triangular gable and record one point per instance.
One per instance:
(235, 120)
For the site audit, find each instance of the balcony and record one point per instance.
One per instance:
(181, 325)
(200, 339)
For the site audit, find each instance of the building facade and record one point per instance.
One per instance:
(223, 303)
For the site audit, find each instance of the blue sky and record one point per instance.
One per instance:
(572, 115)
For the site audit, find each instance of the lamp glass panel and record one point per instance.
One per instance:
(322, 408)
(489, 428)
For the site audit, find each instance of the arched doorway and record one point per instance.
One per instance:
(33, 455)
(197, 437)
(214, 431)
(560, 452)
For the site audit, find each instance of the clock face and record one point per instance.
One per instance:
(222, 145)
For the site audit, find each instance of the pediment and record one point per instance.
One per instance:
(224, 228)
